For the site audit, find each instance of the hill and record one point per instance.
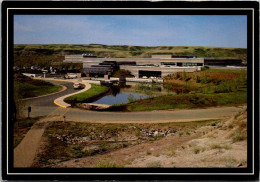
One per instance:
(27, 55)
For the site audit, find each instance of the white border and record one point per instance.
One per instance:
(252, 9)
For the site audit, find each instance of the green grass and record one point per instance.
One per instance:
(187, 101)
(21, 127)
(197, 95)
(26, 90)
(95, 90)
(223, 71)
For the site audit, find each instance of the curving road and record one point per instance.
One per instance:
(44, 106)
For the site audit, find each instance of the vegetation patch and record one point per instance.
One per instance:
(122, 74)
(21, 127)
(94, 91)
(185, 101)
(106, 163)
(25, 87)
(154, 164)
(219, 146)
(208, 88)
(238, 136)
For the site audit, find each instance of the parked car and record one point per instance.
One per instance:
(69, 75)
(78, 86)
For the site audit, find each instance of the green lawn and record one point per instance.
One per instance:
(95, 90)
(185, 101)
(223, 71)
(27, 90)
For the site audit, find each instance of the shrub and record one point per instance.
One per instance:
(148, 152)
(197, 79)
(218, 146)
(77, 151)
(122, 74)
(171, 153)
(197, 150)
(130, 98)
(205, 79)
(184, 76)
(180, 133)
(106, 163)
(238, 136)
(154, 164)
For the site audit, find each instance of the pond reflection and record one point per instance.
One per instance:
(128, 92)
(122, 97)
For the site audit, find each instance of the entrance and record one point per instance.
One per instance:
(149, 73)
(179, 64)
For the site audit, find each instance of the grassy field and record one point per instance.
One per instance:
(27, 90)
(25, 87)
(21, 127)
(195, 90)
(27, 55)
(188, 101)
(84, 96)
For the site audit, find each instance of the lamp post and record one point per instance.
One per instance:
(29, 110)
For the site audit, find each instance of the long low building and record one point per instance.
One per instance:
(157, 65)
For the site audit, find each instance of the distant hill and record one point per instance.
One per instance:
(27, 55)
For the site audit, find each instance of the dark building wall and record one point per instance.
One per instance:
(97, 71)
(142, 73)
(222, 62)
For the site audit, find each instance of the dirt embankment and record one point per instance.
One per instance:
(218, 144)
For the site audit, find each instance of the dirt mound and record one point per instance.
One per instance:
(221, 144)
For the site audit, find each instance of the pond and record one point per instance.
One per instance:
(131, 91)
(122, 97)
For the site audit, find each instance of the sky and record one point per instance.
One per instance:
(139, 30)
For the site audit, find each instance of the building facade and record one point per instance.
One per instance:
(156, 66)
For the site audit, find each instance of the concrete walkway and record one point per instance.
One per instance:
(25, 152)
(60, 101)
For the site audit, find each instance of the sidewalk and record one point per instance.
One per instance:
(25, 152)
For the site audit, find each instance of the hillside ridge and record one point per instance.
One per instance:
(27, 55)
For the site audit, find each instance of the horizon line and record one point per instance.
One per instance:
(133, 45)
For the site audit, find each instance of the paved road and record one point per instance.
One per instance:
(43, 106)
(151, 116)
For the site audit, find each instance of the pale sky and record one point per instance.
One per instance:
(139, 30)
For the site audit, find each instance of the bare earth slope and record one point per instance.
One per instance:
(221, 144)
